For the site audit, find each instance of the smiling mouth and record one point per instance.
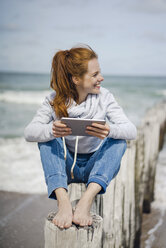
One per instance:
(97, 85)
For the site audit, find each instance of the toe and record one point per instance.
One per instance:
(61, 224)
(67, 225)
(89, 222)
(54, 221)
(82, 223)
(57, 222)
(76, 221)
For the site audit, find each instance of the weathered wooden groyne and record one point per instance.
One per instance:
(127, 197)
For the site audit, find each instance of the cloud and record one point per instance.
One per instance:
(154, 37)
(35, 29)
(78, 27)
(145, 6)
(10, 27)
(81, 29)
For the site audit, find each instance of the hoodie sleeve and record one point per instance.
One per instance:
(40, 128)
(120, 126)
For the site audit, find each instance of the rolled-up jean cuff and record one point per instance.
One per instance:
(100, 182)
(54, 182)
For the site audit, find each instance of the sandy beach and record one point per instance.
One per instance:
(22, 219)
(153, 230)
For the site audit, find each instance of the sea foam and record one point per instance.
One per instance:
(25, 97)
(21, 169)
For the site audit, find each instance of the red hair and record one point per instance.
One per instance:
(65, 64)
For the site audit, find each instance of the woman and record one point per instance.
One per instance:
(76, 81)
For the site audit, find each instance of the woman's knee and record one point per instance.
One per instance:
(43, 145)
(122, 144)
(50, 143)
(47, 145)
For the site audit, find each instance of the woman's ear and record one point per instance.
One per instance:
(75, 80)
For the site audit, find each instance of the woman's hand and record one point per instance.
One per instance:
(98, 130)
(60, 129)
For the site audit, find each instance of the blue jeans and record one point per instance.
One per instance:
(100, 166)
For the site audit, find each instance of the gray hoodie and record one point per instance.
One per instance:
(96, 106)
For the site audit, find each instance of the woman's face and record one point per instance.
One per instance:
(92, 79)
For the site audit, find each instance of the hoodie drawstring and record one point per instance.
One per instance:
(75, 154)
(64, 147)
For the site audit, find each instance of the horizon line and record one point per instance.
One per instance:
(104, 74)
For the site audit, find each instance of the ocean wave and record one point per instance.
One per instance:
(25, 97)
(160, 182)
(161, 92)
(21, 169)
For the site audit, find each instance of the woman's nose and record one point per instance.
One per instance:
(101, 78)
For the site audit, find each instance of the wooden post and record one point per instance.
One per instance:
(75, 236)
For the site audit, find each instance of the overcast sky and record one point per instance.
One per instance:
(129, 36)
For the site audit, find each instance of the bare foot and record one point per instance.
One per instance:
(82, 215)
(63, 218)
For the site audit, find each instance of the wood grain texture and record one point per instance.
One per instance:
(75, 236)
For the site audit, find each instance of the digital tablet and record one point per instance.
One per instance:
(78, 125)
